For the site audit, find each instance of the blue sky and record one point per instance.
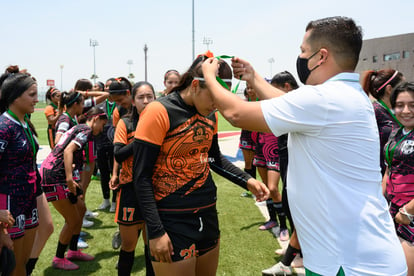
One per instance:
(42, 35)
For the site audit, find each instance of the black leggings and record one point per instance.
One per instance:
(105, 159)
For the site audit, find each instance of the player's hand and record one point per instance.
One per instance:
(161, 248)
(258, 188)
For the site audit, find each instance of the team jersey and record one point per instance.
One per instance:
(17, 160)
(386, 124)
(400, 184)
(174, 149)
(106, 138)
(53, 168)
(65, 122)
(124, 135)
(50, 110)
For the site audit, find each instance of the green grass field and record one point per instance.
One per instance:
(244, 249)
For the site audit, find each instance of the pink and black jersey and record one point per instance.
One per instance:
(64, 123)
(17, 161)
(400, 184)
(53, 169)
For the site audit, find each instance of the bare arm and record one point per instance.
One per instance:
(242, 114)
(99, 96)
(68, 161)
(263, 89)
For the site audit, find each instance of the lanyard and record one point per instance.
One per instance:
(72, 119)
(390, 112)
(54, 106)
(389, 154)
(27, 131)
(234, 91)
(110, 110)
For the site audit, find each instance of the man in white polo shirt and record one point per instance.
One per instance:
(334, 190)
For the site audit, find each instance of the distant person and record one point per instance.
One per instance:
(380, 84)
(52, 113)
(19, 187)
(341, 218)
(175, 147)
(171, 80)
(399, 176)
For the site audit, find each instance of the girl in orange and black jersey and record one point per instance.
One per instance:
(176, 145)
(128, 214)
(52, 113)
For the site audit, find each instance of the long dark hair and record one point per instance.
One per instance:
(70, 98)
(12, 85)
(224, 72)
(133, 113)
(373, 81)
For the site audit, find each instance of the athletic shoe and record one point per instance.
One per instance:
(276, 231)
(87, 223)
(78, 255)
(63, 263)
(297, 261)
(284, 235)
(280, 251)
(82, 234)
(278, 269)
(105, 204)
(113, 207)
(91, 215)
(116, 240)
(82, 243)
(268, 225)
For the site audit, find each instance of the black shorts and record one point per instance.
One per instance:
(127, 208)
(246, 141)
(191, 234)
(24, 211)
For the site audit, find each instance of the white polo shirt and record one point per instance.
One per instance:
(334, 179)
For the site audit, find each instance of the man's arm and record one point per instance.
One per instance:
(242, 114)
(242, 69)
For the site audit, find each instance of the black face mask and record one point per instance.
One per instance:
(302, 67)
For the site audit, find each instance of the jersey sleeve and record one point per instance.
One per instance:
(115, 117)
(121, 133)
(82, 137)
(153, 124)
(49, 111)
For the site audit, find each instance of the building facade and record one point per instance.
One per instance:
(391, 52)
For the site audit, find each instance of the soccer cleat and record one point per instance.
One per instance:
(78, 256)
(91, 215)
(87, 223)
(278, 269)
(63, 263)
(113, 207)
(105, 204)
(116, 240)
(268, 225)
(284, 235)
(82, 243)
(297, 261)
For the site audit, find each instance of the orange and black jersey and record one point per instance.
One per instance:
(124, 136)
(174, 149)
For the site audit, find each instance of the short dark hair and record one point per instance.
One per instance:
(284, 77)
(340, 35)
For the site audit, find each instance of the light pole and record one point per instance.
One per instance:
(93, 43)
(271, 61)
(207, 41)
(145, 53)
(193, 31)
(130, 62)
(61, 77)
